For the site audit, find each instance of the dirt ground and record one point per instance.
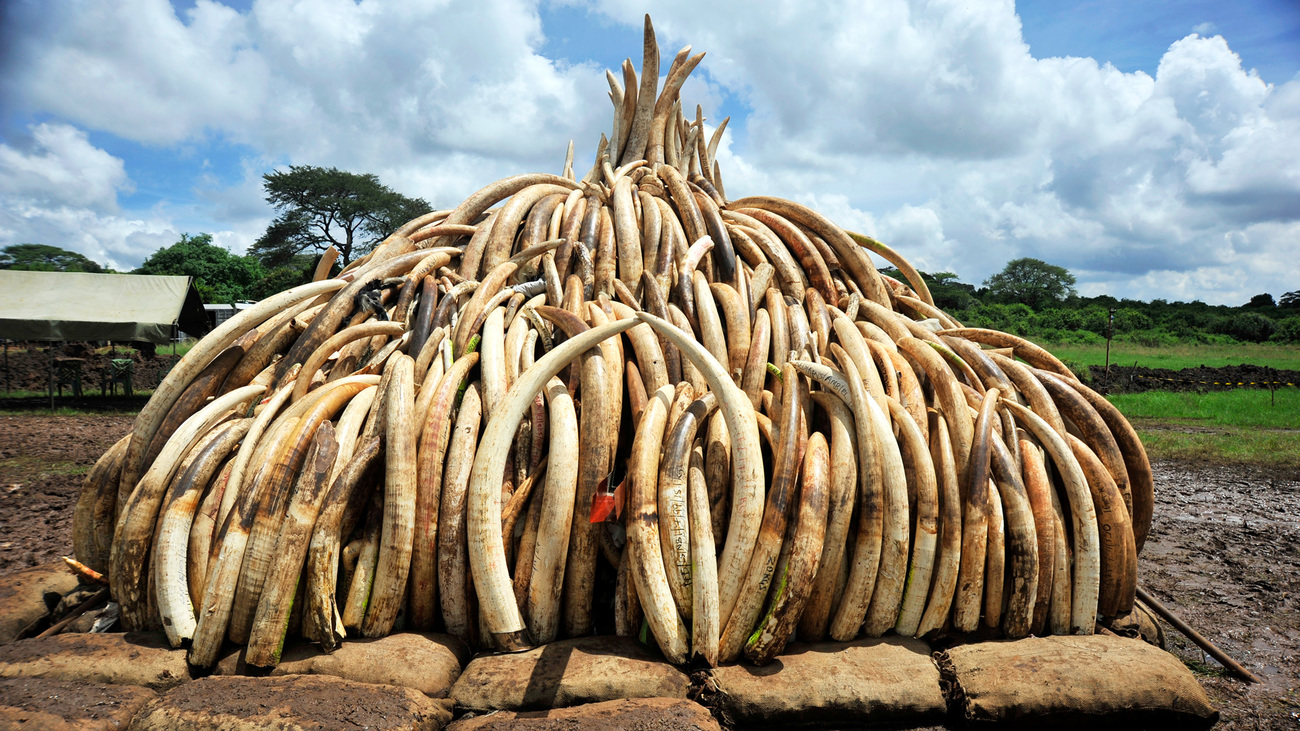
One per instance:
(43, 460)
(1224, 552)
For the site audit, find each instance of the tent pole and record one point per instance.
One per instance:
(51, 349)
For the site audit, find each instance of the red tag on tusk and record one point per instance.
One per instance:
(620, 498)
(602, 506)
(606, 504)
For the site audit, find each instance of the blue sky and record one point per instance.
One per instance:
(1134, 35)
(1151, 147)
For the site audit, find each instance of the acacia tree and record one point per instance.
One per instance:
(323, 207)
(45, 258)
(1031, 281)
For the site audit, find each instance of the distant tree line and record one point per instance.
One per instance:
(1037, 300)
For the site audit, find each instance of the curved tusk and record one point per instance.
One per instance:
(486, 551)
(746, 463)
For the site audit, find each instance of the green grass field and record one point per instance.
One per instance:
(1182, 356)
(1243, 426)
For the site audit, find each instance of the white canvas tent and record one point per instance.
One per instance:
(78, 306)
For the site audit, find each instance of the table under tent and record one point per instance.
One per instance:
(57, 307)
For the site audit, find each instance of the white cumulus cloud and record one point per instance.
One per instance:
(57, 188)
(928, 124)
(59, 167)
(1179, 185)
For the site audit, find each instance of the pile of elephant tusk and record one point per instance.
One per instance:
(620, 403)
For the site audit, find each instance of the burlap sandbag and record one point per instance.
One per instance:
(1077, 680)
(638, 714)
(306, 702)
(1141, 623)
(27, 597)
(134, 658)
(871, 681)
(567, 673)
(62, 705)
(429, 663)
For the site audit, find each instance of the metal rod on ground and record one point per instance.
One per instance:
(1110, 332)
(1237, 668)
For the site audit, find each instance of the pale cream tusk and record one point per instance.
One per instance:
(746, 461)
(545, 587)
(1086, 577)
(843, 488)
(921, 567)
(399, 502)
(949, 560)
(644, 552)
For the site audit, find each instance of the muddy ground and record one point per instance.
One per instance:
(1224, 552)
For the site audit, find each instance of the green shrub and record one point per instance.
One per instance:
(1152, 338)
(1014, 318)
(1288, 331)
(1054, 319)
(1074, 337)
(1079, 370)
(1251, 327)
(1128, 319)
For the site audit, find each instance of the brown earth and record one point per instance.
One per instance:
(43, 460)
(1223, 552)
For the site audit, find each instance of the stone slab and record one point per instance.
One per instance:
(1077, 680)
(890, 680)
(62, 705)
(568, 673)
(134, 658)
(429, 663)
(637, 714)
(298, 702)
